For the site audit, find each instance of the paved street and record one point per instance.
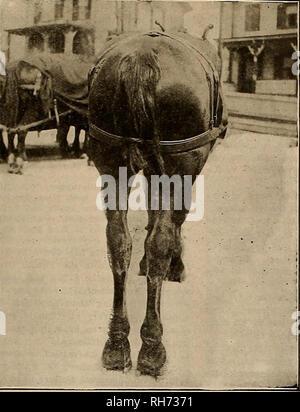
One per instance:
(228, 325)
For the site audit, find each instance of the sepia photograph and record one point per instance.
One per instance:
(149, 196)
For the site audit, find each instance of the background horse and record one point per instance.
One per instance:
(28, 97)
(151, 88)
(3, 150)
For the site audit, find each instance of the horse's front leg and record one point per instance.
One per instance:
(21, 149)
(11, 160)
(20, 153)
(85, 151)
(159, 245)
(76, 143)
(3, 150)
(116, 354)
(61, 137)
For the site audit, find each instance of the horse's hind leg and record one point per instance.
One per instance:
(116, 353)
(158, 254)
(176, 269)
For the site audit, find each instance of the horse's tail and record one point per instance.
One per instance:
(138, 76)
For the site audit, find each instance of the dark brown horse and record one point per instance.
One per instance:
(147, 93)
(3, 149)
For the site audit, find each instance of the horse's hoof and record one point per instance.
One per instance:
(11, 160)
(11, 163)
(75, 154)
(116, 355)
(151, 360)
(18, 170)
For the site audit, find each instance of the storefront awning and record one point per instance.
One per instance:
(236, 42)
(46, 28)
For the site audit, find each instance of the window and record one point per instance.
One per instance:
(83, 43)
(75, 15)
(252, 17)
(286, 16)
(292, 20)
(80, 43)
(37, 11)
(88, 9)
(59, 9)
(57, 42)
(36, 41)
(282, 67)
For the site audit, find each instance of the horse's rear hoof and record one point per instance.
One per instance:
(11, 160)
(116, 356)
(151, 360)
(18, 172)
(19, 166)
(75, 155)
(12, 168)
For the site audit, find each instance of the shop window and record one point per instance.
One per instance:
(57, 42)
(83, 43)
(260, 66)
(252, 17)
(80, 43)
(36, 41)
(282, 67)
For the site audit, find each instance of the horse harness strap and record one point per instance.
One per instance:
(166, 146)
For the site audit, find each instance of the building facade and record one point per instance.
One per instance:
(257, 41)
(260, 39)
(82, 26)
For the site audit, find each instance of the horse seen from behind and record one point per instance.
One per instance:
(155, 105)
